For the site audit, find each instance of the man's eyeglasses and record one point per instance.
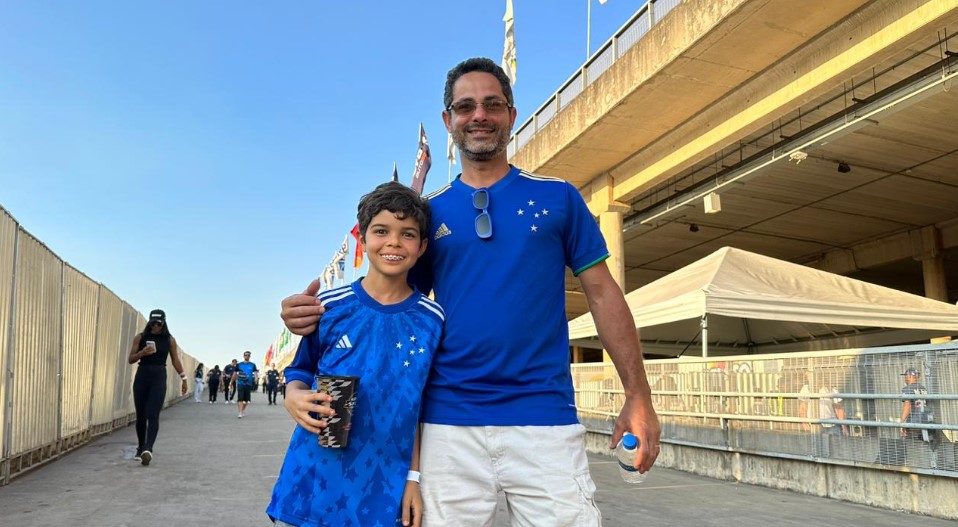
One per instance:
(468, 106)
(480, 200)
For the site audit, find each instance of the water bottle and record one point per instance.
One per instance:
(625, 453)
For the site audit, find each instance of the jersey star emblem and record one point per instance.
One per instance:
(535, 229)
(531, 203)
(520, 212)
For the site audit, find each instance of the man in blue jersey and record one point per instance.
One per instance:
(499, 409)
(245, 379)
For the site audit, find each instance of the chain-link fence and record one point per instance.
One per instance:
(883, 407)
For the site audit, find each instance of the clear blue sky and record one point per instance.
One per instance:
(207, 157)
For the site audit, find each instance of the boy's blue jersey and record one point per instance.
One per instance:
(505, 351)
(391, 349)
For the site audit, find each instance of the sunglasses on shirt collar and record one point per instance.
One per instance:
(480, 200)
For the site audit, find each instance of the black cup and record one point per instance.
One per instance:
(343, 389)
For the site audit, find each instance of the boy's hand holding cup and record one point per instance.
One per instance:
(310, 409)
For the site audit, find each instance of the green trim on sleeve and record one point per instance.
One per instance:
(590, 264)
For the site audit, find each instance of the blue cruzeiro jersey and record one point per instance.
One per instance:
(245, 373)
(391, 349)
(505, 352)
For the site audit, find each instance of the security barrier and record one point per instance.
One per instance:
(838, 407)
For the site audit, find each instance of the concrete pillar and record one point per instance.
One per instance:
(610, 214)
(577, 355)
(927, 248)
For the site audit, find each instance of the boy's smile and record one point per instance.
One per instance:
(392, 245)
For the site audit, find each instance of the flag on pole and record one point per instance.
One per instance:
(509, 47)
(423, 162)
(339, 258)
(328, 274)
(358, 258)
(450, 150)
(395, 173)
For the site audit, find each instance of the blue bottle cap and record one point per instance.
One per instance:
(629, 441)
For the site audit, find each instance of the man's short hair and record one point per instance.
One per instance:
(397, 198)
(477, 64)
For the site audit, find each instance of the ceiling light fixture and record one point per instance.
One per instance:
(713, 203)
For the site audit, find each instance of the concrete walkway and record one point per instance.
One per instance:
(214, 469)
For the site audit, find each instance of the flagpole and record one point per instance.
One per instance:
(588, 28)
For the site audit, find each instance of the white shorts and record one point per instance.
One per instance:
(542, 470)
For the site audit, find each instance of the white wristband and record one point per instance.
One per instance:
(413, 476)
(183, 376)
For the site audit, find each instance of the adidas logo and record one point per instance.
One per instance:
(344, 342)
(442, 231)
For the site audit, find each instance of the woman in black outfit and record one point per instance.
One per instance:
(151, 348)
(213, 380)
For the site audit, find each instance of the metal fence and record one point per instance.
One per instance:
(64, 342)
(840, 407)
(600, 61)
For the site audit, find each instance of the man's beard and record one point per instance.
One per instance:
(486, 150)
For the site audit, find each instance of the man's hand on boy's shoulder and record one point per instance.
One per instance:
(301, 312)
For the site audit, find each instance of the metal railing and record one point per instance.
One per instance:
(791, 405)
(600, 61)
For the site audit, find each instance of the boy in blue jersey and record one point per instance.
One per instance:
(384, 331)
(499, 407)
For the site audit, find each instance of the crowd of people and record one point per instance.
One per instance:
(237, 375)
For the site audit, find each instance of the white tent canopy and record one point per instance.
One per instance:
(744, 302)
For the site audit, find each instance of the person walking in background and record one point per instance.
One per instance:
(244, 378)
(383, 331)
(915, 410)
(271, 380)
(225, 381)
(213, 379)
(497, 262)
(198, 383)
(229, 386)
(150, 349)
(828, 406)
